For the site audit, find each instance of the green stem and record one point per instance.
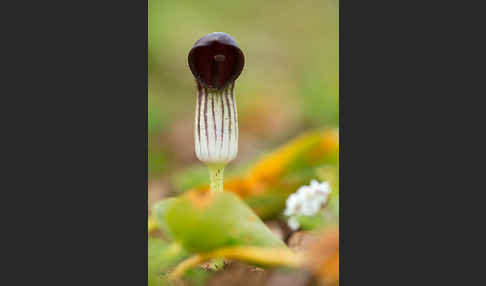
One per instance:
(216, 172)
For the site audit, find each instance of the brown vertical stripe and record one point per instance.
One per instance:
(214, 117)
(206, 118)
(222, 120)
(234, 110)
(199, 98)
(229, 113)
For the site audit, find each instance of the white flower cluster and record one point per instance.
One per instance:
(307, 201)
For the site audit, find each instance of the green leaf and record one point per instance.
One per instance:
(160, 210)
(269, 204)
(204, 221)
(162, 256)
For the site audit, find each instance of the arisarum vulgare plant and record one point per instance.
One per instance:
(216, 61)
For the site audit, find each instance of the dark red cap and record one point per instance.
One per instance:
(216, 60)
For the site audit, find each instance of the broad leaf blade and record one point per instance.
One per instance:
(204, 221)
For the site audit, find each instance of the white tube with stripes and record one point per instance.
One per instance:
(216, 125)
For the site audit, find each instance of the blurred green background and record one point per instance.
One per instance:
(289, 83)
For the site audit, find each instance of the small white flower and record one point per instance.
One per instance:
(293, 223)
(315, 184)
(307, 201)
(292, 204)
(309, 209)
(321, 187)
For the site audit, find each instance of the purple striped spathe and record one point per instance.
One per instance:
(216, 125)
